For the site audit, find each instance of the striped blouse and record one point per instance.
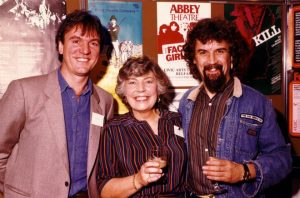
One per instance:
(126, 143)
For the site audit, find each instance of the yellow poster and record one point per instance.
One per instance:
(122, 22)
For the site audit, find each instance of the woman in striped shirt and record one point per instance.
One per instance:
(126, 168)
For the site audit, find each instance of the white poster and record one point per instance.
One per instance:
(174, 19)
(296, 108)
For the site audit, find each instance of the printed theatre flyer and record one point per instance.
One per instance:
(27, 38)
(122, 24)
(173, 22)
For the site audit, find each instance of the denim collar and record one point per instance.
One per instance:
(237, 89)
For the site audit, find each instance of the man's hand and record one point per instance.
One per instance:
(223, 170)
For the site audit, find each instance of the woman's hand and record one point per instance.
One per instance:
(149, 172)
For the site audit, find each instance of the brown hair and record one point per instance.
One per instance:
(79, 19)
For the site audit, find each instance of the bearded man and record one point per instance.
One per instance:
(235, 146)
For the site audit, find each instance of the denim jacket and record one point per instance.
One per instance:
(248, 132)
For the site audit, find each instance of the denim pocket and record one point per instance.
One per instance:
(247, 139)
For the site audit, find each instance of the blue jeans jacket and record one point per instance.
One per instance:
(248, 132)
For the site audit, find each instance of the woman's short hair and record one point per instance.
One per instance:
(139, 66)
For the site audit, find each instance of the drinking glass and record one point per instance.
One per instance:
(217, 188)
(160, 154)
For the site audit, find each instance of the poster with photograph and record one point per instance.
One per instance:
(122, 24)
(174, 19)
(27, 38)
(260, 25)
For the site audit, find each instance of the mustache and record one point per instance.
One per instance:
(213, 66)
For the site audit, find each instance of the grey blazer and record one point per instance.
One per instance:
(33, 147)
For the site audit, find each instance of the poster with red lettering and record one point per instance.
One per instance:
(174, 19)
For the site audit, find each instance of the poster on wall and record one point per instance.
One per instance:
(27, 38)
(174, 19)
(260, 25)
(122, 23)
(294, 105)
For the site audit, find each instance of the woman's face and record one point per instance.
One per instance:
(141, 93)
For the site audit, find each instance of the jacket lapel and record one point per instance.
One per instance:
(94, 134)
(54, 110)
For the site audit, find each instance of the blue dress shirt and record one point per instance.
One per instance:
(77, 123)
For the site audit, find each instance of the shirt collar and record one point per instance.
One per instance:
(89, 87)
(62, 82)
(237, 89)
(64, 85)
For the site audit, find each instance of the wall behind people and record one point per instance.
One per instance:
(150, 38)
(149, 30)
(149, 33)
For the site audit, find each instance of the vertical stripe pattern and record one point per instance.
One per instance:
(203, 132)
(126, 144)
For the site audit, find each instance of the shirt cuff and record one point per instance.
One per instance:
(252, 187)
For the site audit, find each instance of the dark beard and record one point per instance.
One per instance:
(214, 83)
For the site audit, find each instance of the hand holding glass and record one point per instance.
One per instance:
(160, 155)
(217, 188)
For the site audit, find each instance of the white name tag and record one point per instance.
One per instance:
(178, 131)
(97, 119)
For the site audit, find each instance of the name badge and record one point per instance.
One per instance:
(97, 119)
(178, 131)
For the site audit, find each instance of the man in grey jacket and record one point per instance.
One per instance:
(50, 125)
